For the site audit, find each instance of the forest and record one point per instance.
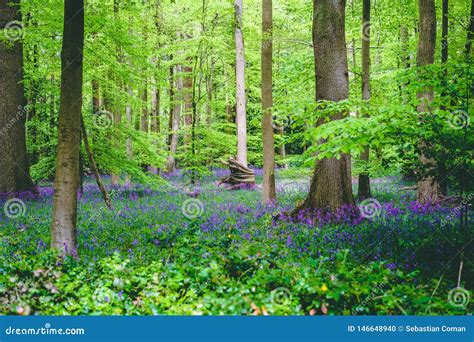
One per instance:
(236, 157)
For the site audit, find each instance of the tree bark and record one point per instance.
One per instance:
(428, 187)
(63, 228)
(364, 180)
(241, 103)
(14, 167)
(269, 193)
(331, 183)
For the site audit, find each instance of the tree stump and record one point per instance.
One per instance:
(240, 176)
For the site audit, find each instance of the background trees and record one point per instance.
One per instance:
(196, 41)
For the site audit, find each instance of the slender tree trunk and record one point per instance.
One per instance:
(94, 168)
(14, 167)
(210, 90)
(269, 193)
(155, 120)
(144, 118)
(128, 116)
(155, 106)
(114, 178)
(175, 114)
(428, 187)
(228, 109)
(470, 33)
(364, 180)
(331, 183)
(444, 32)
(405, 57)
(241, 105)
(283, 147)
(95, 96)
(63, 227)
(187, 99)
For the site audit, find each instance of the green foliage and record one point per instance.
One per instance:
(240, 284)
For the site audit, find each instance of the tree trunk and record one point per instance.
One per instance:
(63, 227)
(241, 110)
(428, 187)
(210, 90)
(269, 193)
(364, 180)
(155, 109)
(443, 172)
(94, 168)
(14, 168)
(128, 142)
(95, 96)
(188, 105)
(331, 183)
(144, 118)
(228, 109)
(470, 32)
(174, 120)
(283, 147)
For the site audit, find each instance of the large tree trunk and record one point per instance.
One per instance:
(331, 183)
(269, 193)
(443, 172)
(175, 114)
(364, 180)
(63, 227)
(241, 110)
(14, 168)
(428, 187)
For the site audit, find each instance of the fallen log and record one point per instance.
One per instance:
(240, 175)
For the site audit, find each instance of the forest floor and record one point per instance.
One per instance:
(201, 249)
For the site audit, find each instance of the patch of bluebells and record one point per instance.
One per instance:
(148, 224)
